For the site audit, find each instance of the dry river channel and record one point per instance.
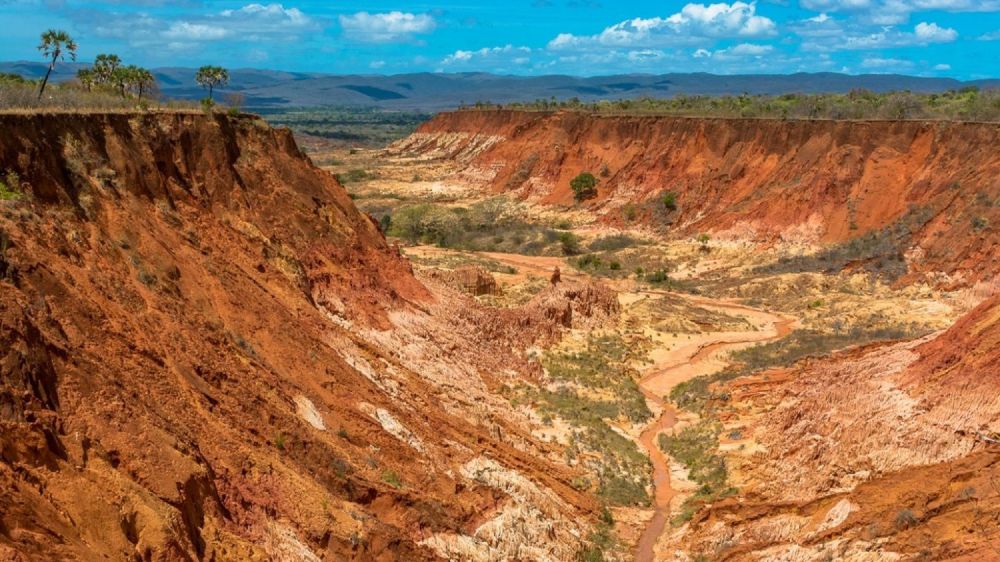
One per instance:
(701, 354)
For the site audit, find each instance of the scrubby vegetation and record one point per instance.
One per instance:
(696, 448)
(695, 394)
(590, 387)
(601, 542)
(878, 252)
(493, 225)
(969, 103)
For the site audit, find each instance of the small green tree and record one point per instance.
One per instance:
(211, 77)
(584, 186)
(54, 46)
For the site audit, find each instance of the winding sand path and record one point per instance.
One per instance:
(677, 366)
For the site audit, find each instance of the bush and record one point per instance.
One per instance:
(570, 243)
(670, 200)
(584, 186)
(10, 186)
(905, 519)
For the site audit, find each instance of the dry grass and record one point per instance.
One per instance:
(22, 98)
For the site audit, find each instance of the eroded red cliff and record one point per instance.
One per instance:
(931, 188)
(206, 352)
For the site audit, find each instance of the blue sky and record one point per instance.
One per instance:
(957, 38)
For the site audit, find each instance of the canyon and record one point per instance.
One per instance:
(215, 349)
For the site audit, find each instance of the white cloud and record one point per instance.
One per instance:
(885, 64)
(702, 53)
(386, 27)
(942, 67)
(888, 37)
(747, 49)
(893, 12)
(691, 25)
(991, 36)
(185, 31)
(495, 56)
(933, 33)
(253, 22)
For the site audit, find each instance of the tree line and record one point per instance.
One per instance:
(109, 73)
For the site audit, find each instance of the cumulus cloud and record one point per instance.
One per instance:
(991, 36)
(942, 67)
(933, 33)
(693, 24)
(388, 27)
(887, 37)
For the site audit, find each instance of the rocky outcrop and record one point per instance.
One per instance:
(926, 190)
(471, 279)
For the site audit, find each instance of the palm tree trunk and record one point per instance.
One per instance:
(46, 80)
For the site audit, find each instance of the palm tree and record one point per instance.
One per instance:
(54, 44)
(87, 78)
(105, 67)
(142, 80)
(211, 76)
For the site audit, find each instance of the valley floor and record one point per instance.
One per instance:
(697, 315)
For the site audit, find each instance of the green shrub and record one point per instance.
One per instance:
(279, 441)
(584, 186)
(570, 243)
(10, 186)
(670, 200)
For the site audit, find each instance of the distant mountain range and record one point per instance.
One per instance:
(434, 91)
